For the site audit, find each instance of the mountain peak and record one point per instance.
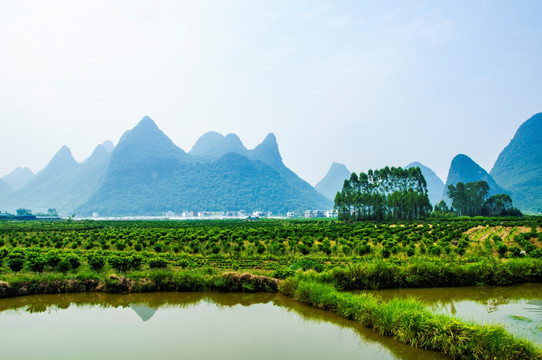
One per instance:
(19, 177)
(108, 145)
(464, 169)
(333, 181)
(213, 145)
(270, 139)
(64, 155)
(147, 133)
(335, 166)
(146, 121)
(99, 153)
(267, 151)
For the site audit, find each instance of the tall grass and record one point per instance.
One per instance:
(381, 274)
(135, 281)
(409, 322)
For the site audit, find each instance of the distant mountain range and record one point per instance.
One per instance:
(63, 184)
(517, 171)
(147, 174)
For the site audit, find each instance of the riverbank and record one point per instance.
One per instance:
(409, 322)
(149, 281)
(405, 320)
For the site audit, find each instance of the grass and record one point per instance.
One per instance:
(409, 322)
(135, 281)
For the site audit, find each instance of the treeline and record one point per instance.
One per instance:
(471, 199)
(385, 194)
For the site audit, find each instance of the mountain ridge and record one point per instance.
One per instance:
(518, 167)
(150, 175)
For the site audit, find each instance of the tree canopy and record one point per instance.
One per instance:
(471, 199)
(385, 194)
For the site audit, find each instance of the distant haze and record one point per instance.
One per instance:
(366, 84)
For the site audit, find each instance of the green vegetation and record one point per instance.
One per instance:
(269, 245)
(385, 194)
(409, 322)
(315, 259)
(471, 199)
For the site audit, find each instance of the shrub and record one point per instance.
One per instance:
(15, 264)
(74, 260)
(134, 261)
(282, 273)
(119, 263)
(386, 253)
(53, 258)
(96, 261)
(502, 249)
(157, 262)
(37, 263)
(64, 266)
(307, 264)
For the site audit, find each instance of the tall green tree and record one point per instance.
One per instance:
(384, 194)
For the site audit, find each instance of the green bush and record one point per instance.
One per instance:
(96, 261)
(307, 264)
(157, 262)
(74, 261)
(15, 264)
(64, 266)
(53, 258)
(37, 263)
(282, 273)
(119, 263)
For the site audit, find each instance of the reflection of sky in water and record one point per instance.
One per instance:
(520, 317)
(197, 329)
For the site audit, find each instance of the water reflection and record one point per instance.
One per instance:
(265, 325)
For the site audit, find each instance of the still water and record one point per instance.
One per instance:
(187, 326)
(517, 308)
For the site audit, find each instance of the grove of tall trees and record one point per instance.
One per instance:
(386, 194)
(471, 199)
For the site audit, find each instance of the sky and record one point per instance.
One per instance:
(364, 83)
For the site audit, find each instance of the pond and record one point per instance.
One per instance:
(518, 308)
(185, 325)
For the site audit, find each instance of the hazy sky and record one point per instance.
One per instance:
(365, 83)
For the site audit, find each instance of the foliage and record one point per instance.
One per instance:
(385, 194)
(157, 262)
(23, 212)
(471, 199)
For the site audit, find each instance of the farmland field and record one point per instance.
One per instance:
(313, 261)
